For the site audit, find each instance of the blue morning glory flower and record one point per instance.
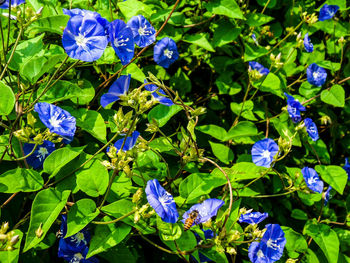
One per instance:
(161, 201)
(165, 52)
(73, 256)
(327, 12)
(294, 108)
(312, 179)
(144, 33)
(263, 152)
(14, 3)
(311, 129)
(327, 195)
(156, 94)
(87, 14)
(74, 248)
(316, 75)
(122, 40)
(346, 167)
(270, 248)
(36, 160)
(119, 88)
(253, 218)
(258, 67)
(56, 119)
(206, 210)
(84, 38)
(129, 142)
(309, 47)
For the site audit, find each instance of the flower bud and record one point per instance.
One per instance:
(14, 240)
(39, 232)
(231, 251)
(4, 227)
(137, 196)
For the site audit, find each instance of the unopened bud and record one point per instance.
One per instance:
(231, 251)
(39, 232)
(14, 239)
(137, 196)
(5, 226)
(136, 217)
(39, 10)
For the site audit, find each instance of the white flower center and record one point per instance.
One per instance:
(260, 254)
(120, 42)
(78, 238)
(168, 53)
(81, 40)
(166, 199)
(77, 257)
(311, 180)
(315, 75)
(266, 154)
(42, 152)
(272, 244)
(54, 121)
(143, 31)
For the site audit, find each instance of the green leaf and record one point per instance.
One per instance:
(46, 207)
(245, 171)
(93, 123)
(272, 84)
(87, 92)
(107, 236)
(20, 180)
(80, 214)
(25, 51)
(242, 129)
(227, 8)
(168, 231)
(12, 256)
(214, 131)
(59, 158)
(93, 178)
(222, 152)
(192, 187)
(225, 33)
(333, 175)
(256, 19)
(199, 40)
(7, 99)
(187, 241)
(162, 114)
(253, 52)
(325, 238)
(299, 214)
(62, 90)
(133, 8)
(296, 242)
(118, 208)
(53, 24)
(335, 96)
(136, 72)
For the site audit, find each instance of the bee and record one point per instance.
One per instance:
(192, 218)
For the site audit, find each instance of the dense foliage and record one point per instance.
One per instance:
(169, 130)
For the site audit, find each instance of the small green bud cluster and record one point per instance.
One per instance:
(7, 239)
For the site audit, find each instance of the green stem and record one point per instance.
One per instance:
(274, 195)
(29, 154)
(115, 220)
(115, 173)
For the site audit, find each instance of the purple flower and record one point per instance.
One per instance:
(119, 88)
(346, 167)
(312, 179)
(316, 75)
(36, 160)
(309, 47)
(159, 94)
(56, 119)
(14, 3)
(294, 108)
(311, 129)
(271, 246)
(84, 38)
(122, 40)
(253, 218)
(258, 67)
(143, 31)
(206, 210)
(327, 12)
(263, 152)
(165, 52)
(129, 142)
(161, 201)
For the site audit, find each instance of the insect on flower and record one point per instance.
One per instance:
(192, 218)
